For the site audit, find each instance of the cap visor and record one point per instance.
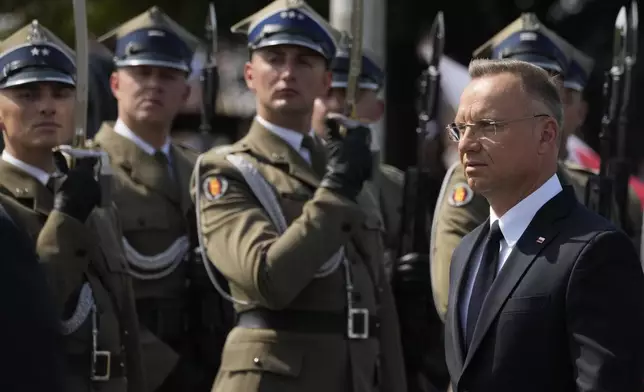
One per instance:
(37, 76)
(290, 39)
(153, 60)
(541, 61)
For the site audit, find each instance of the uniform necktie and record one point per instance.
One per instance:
(484, 278)
(318, 161)
(51, 184)
(163, 160)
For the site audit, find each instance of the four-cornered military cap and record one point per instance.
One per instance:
(151, 39)
(578, 71)
(34, 54)
(372, 75)
(527, 39)
(289, 22)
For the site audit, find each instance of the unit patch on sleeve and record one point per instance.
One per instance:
(214, 187)
(460, 195)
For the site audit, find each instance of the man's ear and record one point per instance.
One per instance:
(248, 76)
(114, 84)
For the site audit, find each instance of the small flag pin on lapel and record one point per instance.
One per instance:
(540, 240)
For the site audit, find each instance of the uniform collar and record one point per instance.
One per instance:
(39, 174)
(514, 222)
(293, 138)
(122, 129)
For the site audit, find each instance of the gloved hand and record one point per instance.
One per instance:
(349, 160)
(78, 192)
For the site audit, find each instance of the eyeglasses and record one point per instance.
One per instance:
(483, 128)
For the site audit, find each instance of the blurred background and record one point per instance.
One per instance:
(393, 29)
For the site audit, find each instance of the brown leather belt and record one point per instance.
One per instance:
(304, 321)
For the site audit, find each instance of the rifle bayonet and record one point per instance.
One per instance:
(209, 76)
(82, 73)
(355, 59)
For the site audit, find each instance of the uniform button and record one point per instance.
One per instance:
(381, 290)
(256, 361)
(346, 227)
(122, 365)
(122, 347)
(126, 332)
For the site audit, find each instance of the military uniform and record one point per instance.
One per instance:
(84, 261)
(150, 189)
(289, 275)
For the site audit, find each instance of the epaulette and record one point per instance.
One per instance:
(230, 148)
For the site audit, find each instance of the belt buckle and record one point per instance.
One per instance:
(101, 365)
(358, 323)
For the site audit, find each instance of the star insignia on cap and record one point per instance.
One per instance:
(35, 52)
(45, 52)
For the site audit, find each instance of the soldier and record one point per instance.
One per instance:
(75, 239)
(459, 210)
(301, 250)
(175, 302)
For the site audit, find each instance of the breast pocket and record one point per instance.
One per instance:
(529, 304)
(292, 203)
(142, 219)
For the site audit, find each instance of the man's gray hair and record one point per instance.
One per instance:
(536, 82)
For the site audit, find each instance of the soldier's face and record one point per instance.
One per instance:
(150, 94)
(575, 108)
(287, 79)
(369, 107)
(36, 115)
(500, 159)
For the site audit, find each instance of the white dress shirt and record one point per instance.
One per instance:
(512, 224)
(39, 174)
(293, 138)
(126, 132)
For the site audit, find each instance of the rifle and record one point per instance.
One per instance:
(421, 328)
(79, 148)
(420, 190)
(209, 76)
(611, 185)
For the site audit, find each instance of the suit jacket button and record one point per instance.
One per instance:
(257, 362)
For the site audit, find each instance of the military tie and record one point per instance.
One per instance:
(318, 160)
(51, 184)
(162, 158)
(485, 276)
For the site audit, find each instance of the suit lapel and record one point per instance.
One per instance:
(461, 271)
(537, 236)
(142, 167)
(270, 147)
(26, 188)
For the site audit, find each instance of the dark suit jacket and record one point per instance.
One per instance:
(29, 330)
(565, 313)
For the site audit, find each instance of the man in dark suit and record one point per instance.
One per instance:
(545, 295)
(29, 330)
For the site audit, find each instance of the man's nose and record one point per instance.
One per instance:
(47, 104)
(469, 142)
